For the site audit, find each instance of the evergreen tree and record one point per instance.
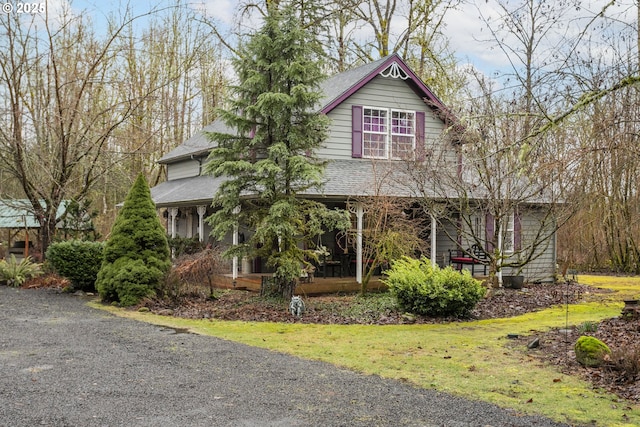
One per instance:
(270, 158)
(136, 256)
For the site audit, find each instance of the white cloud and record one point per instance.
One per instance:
(222, 11)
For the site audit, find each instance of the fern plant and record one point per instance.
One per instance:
(16, 273)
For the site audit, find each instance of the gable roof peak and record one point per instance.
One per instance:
(341, 86)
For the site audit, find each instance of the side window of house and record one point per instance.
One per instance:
(509, 234)
(511, 230)
(388, 133)
(478, 226)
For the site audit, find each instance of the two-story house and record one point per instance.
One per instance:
(379, 113)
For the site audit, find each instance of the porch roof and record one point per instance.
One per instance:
(342, 179)
(197, 190)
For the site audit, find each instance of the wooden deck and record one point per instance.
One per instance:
(320, 285)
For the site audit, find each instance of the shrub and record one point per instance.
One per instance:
(590, 351)
(16, 273)
(191, 272)
(181, 246)
(136, 256)
(431, 291)
(79, 261)
(626, 362)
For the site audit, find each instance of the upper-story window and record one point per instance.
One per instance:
(388, 133)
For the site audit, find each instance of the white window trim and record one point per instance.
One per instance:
(386, 134)
(509, 242)
(389, 133)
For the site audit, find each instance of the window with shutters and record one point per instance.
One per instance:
(403, 134)
(388, 133)
(375, 133)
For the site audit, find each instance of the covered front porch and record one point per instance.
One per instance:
(344, 261)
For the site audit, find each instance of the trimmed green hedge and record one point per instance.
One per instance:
(431, 291)
(77, 260)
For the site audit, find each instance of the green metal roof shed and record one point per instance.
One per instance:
(18, 213)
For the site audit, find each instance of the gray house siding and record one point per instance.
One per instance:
(184, 169)
(543, 267)
(381, 92)
(540, 269)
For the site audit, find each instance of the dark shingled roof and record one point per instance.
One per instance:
(186, 191)
(198, 145)
(362, 175)
(362, 178)
(335, 86)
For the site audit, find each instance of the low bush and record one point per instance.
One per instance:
(16, 273)
(625, 361)
(128, 281)
(587, 327)
(79, 261)
(431, 291)
(191, 273)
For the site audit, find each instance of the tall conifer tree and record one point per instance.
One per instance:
(269, 158)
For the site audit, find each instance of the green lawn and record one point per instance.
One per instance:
(470, 359)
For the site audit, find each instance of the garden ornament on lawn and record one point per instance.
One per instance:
(296, 306)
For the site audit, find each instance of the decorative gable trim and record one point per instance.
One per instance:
(387, 65)
(394, 71)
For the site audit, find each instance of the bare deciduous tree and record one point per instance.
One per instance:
(85, 112)
(60, 109)
(392, 226)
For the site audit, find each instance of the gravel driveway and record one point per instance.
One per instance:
(63, 363)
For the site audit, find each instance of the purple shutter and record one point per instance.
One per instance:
(356, 131)
(420, 147)
(489, 228)
(517, 231)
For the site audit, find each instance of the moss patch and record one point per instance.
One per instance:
(591, 351)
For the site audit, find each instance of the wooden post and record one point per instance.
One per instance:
(25, 253)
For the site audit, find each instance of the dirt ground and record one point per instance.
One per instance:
(556, 346)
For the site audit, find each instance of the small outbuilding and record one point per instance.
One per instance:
(19, 227)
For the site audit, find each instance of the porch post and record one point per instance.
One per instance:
(189, 223)
(234, 273)
(434, 225)
(173, 213)
(359, 216)
(201, 211)
(499, 263)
